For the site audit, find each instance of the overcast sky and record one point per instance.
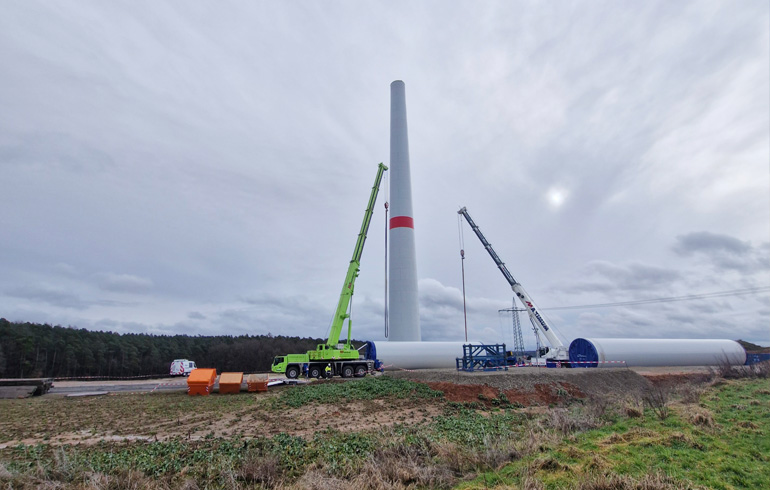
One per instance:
(203, 167)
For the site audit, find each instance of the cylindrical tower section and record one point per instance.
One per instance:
(404, 319)
(418, 355)
(655, 352)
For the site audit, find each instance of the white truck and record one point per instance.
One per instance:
(181, 367)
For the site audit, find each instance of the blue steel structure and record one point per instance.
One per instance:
(483, 357)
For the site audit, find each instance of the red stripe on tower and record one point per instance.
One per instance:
(401, 222)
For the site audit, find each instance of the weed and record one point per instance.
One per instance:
(689, 394)
(657, 400)
(656, 481)
(701, 417)
(598, 407)
(726, 370)
(568, 421)
(265, 470)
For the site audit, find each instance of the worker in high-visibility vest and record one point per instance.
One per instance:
(328, 371)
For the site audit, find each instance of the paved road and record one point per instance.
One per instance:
(80, 387)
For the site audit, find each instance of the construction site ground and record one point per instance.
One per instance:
(125, 416)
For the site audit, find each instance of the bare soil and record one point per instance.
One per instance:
(159, 416)
(531, 386)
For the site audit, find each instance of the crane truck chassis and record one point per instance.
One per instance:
(344, 359)
(295, 365)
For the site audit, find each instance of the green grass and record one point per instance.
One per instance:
(732, 453)
(367, 388)
(721, 443)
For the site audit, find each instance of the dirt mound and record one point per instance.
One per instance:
(530, 386)
(675, 379)
(543, 394)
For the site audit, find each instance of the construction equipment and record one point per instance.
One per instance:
(557, 354)
(483, 357)
(344, 359)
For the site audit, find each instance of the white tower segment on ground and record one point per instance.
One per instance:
(404, 319)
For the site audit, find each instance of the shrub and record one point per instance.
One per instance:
(567, 422)
(689, 394)
(702, 417)
(265, 470)
(657, 400)
(726, 370)
(598, 406)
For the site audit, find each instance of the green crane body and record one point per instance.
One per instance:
(332, 350)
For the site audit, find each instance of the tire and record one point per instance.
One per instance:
(314, 372)
(292, 372)
(347, 371)
(360, 371)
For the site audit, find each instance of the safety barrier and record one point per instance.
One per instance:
(596, 362)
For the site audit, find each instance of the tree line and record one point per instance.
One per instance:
(32, 350)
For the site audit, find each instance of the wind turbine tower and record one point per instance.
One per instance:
(404, 321)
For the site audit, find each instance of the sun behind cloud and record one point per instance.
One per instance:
(556, 197)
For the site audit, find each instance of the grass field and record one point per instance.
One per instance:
(713, 435)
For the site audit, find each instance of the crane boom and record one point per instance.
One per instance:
(341, 314)
(534, 315)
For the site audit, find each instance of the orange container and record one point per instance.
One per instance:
(257, 383)
(201, 381)
(230, 382)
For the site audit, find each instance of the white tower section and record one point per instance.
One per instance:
(404, 324)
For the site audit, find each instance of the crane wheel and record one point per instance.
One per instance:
(347, 372)
(315, 372)
(292, 372)
(360, 371)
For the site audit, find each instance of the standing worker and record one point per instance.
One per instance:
(328, 370)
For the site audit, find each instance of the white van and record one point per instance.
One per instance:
(181, 367)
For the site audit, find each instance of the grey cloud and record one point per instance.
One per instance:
(51, 150)
(124, 283)
(441, 312)
(707, 242)
(150, 129)
(195, 315)
(607, 277)
(66, 269)
(724, 252)
(51, 296)
(60, 297)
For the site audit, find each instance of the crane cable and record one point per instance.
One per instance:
(716, 294)
(461, 237)
(387, 194)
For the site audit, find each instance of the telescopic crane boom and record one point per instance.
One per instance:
(342, 360)
(341, 314)
(558, 351)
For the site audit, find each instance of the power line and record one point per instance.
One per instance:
(717, 294)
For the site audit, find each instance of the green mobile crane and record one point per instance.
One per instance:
(344, 359)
